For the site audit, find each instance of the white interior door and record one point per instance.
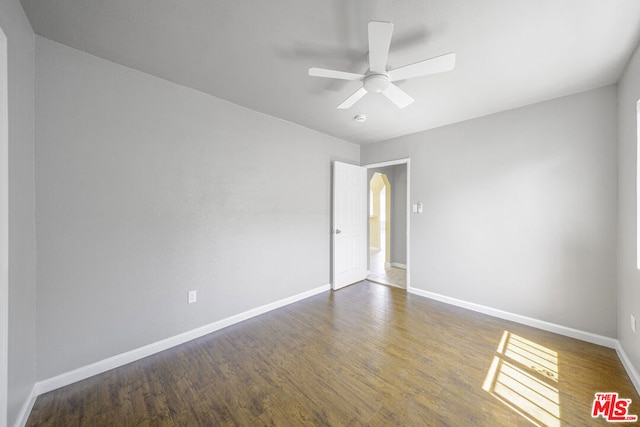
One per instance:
(349, 224)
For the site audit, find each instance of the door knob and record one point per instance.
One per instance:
(338, 231)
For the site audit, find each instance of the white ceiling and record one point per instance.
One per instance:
(256, 53)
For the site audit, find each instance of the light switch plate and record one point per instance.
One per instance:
(193, 296)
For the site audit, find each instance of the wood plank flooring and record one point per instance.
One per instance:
(364, 355)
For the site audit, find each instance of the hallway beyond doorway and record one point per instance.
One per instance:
(380, 273)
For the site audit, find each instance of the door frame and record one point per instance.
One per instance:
(403, 161)
(4, 228)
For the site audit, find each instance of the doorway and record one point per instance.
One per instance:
(388, 223)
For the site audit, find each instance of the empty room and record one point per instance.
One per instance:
(319, 212)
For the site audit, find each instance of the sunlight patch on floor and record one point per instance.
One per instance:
(523, 375)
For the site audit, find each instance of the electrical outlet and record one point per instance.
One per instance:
(633, 323)
(193, 296)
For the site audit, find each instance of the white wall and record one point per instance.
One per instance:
(146, 190)
(628, 274)
(520, 209)
(21, 216)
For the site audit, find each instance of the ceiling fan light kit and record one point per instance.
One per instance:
(376, 83)
(380, 80)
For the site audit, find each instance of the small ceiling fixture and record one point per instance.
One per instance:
(360, 118)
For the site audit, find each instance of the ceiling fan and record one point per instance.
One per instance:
(380, 80)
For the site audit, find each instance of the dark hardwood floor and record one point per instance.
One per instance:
(365, 355)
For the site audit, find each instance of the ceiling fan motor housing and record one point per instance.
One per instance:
(376, 83)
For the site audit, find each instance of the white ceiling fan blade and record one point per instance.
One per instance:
(333, 74)
(397, 96)
(347, 103)
(428, 66)
(379, 43)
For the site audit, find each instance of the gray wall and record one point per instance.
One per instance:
(22, 333)
(146, 190)
(399, 215)
(397, 176)
(628, 274)
(520, 209)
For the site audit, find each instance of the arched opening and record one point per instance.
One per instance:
(380, 215)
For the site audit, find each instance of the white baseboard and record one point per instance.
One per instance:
(101, 366)
(398, 265)
(25, 410)
(529, 321)
(628, 366)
